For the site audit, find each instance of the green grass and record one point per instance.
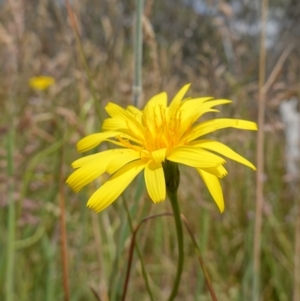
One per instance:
(98, 244)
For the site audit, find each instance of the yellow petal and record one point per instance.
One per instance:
(119, 113)
(192, 110)
(195, 108)
(195, 101)
(174, 105)
(103, 156)
(159, 155)
(85, 160)
(112, 189)
(91, 141)
(135, 112)
(157, 100)
(92, 166)
(121, 160)
(218, 171)
(155, 181)
(214, 187)
(85, 175)
(113, 124)
(217, 124)
(152, 114)
(222, 149)
(195, 157)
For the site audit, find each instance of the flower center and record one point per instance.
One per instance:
(162, 129)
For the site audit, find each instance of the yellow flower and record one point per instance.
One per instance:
(41, 82)
(148, 138)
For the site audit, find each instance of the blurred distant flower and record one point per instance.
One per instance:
(148, 139)
(41, 82)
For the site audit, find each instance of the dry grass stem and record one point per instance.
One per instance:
(260, 156)
(63, 231)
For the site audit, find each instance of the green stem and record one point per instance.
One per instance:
(11, 219)
(176, 212)
(138, 52)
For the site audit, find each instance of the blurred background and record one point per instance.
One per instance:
(214, 45)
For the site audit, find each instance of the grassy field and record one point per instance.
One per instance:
(38, 135)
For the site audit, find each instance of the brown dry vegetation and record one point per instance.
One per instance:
(180, 46)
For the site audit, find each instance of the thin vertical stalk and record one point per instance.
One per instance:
(176, 213)
(136, 93)
(260, 156)
(97, 235)
(201, 261)
(138, 52)
(144, 272)
(63, 232)
(11, 218)
(96, 99)
(296, 291)
(172, 178)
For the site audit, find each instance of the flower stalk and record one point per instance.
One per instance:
(172, 179)
(176, 212)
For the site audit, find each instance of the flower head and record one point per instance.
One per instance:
(41, 83)
(148, 138)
